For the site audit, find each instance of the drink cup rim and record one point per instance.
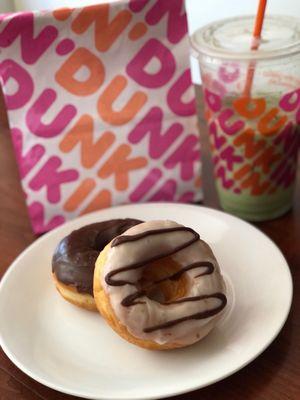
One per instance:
(201, 48)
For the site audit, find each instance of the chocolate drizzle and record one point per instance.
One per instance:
(132, 238)
(132, 299)
(74, 259)
(127, 238)
(207, 264)
(199, 315)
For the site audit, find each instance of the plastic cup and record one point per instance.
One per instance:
(254, 135)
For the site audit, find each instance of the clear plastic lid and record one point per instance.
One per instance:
(232, 38)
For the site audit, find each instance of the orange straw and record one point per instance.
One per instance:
(259, 20)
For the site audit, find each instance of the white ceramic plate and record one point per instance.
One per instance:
(74, 351)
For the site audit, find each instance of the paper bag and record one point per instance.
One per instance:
(101, 107)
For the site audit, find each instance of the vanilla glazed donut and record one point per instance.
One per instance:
(73, 261)
(159, 286)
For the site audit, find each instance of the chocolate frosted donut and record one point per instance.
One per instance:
(74, 259)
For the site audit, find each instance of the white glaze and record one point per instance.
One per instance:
(137, 317)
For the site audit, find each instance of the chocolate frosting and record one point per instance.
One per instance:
(74, 259)
(131, 300)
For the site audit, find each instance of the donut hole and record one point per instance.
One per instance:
(157, 285)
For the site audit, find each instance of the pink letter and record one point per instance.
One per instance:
(166, 192)
(40, 107)
(152, 123)
(298, 116)
(11, 70)
(153, 49)
(290, 101)
(234, 127)
(291, 153)
(229, 72)
(147, 184)
(230, 158)
(213, 100)
(37, 216)
(177, 21)
(137, 5)
(49, 177)
(176, 93)
(186, 197)
(221, 174)
(287, 135)
(31, 48)
(217, 140)
(288, 176)
(185, 155)
(31, 158)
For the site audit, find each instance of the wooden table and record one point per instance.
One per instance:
(272, 376)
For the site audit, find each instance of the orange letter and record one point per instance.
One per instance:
(105, 32)
(110, 95)
(119, 165)
(249, 108)
(247, 139)
(62, 13)
(66, 75)
(241, 172)
(102, 200)
(82, 133)
(267, 159)
(253, 182)
(264, 124)
(77, 197)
